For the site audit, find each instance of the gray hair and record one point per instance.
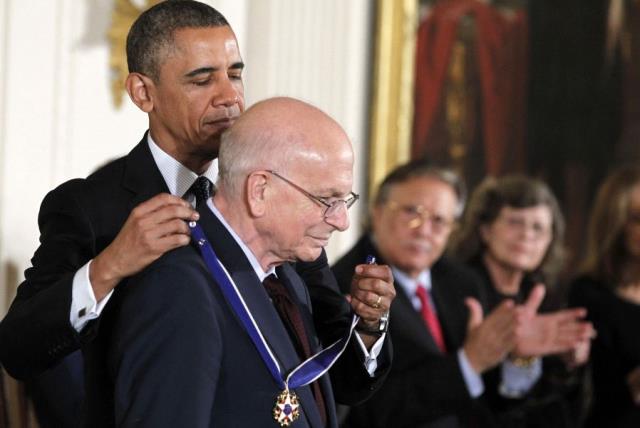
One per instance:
(422, 168)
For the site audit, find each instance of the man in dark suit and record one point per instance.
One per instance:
(97, 231)
(172, 349)
(186, 74)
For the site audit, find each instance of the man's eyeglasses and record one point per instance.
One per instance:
(332, 208)
(416, 215)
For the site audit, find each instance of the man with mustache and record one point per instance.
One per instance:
(186, 74)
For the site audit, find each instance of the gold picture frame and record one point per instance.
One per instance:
(392, 90)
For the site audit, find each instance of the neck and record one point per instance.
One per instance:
(240, 222)
(504, 279)
(195, 161)
(197, 165)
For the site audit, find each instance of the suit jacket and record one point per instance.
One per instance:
(171, 352)
(77, 221)
(424, 387)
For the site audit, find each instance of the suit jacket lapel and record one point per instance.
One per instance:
(141, 175)
(446, 305)
(259, 304)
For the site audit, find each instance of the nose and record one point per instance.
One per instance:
(339, 220)
(227, 93)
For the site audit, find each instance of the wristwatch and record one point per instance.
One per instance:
(379, 330)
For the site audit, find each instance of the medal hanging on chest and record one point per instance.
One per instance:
(287, 408)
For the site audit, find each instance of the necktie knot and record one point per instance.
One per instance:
(201, 189)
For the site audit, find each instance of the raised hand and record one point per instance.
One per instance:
(372, 292)
(489, 340)
(550, 333)
(153, 228)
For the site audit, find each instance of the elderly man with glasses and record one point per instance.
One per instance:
(221, 333)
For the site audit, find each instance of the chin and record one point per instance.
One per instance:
(309, 255)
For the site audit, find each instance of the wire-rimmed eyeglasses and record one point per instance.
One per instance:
(416, 215)
(332, 208)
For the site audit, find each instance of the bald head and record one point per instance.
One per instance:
(280, 134)
(283, 164)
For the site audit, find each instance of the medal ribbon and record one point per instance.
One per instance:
(305, 373)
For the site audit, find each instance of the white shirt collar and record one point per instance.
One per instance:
(247, 252)
(411, 284)
(178, 177)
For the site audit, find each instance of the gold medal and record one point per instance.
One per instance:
(287, 408)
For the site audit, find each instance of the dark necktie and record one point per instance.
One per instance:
(292, 319)
(201, 189)
(430, 318)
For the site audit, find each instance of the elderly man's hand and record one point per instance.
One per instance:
(556, 332)
(153, 228)
(372, 292)
(489, 340)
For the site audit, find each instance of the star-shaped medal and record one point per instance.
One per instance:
(287, 408)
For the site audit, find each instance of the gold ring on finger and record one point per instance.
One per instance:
(376, 305)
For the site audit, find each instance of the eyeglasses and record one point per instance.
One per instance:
(522, 225)
(416, 215)
(332, 207)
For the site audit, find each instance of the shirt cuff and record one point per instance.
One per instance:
(517, 380)
(84, 307)
(474, 383)
(371, 357)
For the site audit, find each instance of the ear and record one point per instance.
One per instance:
(256, 187)
(140, 89)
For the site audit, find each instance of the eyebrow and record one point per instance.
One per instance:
(208, 70)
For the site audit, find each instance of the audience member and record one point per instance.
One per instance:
(512, 236)
(609, 287)
(442, 344)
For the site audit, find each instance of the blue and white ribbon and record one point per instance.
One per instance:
(305, 373)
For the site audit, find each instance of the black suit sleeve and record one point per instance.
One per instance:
(440, 391)
(166, 349)
(36, 332)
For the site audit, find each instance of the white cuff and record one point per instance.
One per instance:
(371, 357)
(474, 382)
(84, 307)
